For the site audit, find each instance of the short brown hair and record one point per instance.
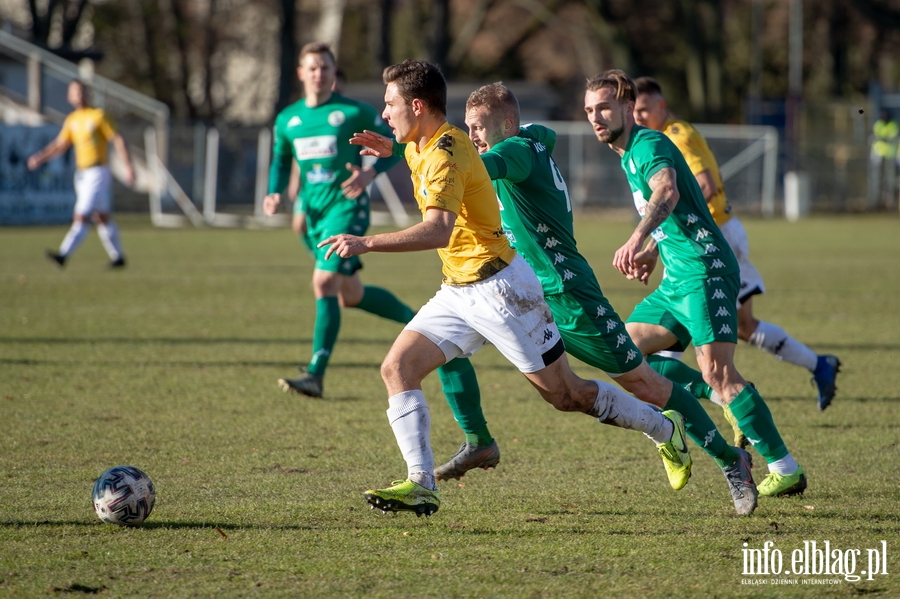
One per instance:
(496, 97)
(647, 85)
(615, 79)
(316, 48)
(418, 79)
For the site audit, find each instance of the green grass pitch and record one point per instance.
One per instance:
(170, 365)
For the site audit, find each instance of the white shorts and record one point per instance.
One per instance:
(93, 190)
(751, 280)
(507, 310)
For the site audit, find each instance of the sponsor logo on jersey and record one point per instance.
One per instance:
(336, 118)
(658, 235)
(510, 236)
(317, 174)
(294, 121)
(446, 180)
(316, 147)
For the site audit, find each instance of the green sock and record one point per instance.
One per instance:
(700, 427)
(756, 421)
(460, 386)
(328, 323)
(381, 302)
(681, 373)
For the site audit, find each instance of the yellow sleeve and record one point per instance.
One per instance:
(444, 185)
(106, 127)
(691, 153)
(65, 134)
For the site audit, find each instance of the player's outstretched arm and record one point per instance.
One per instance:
(48, 152)
(374, 144)
(433, 233)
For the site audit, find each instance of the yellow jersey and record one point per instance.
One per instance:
(88, 130)
(699, 158)
(448, 173)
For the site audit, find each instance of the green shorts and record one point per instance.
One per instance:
(695, 310)
(592, 331)
(348, 216)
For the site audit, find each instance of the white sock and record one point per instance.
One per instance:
(109, 237)
(717, 399)
(614, 406)
(77, 233)
(675, 355)
(777, 342)
(784, 466)
(411, 421)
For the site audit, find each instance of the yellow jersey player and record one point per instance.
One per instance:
(89, 130)
(489, 293)
(652, 112)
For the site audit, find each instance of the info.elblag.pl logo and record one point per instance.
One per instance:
(814, 558)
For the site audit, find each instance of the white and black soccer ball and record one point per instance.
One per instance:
(124, 495)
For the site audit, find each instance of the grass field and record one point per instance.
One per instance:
(170, 365)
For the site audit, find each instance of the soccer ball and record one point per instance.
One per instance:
(124, 495)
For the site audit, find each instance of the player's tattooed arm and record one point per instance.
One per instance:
(662, 201)
(661, 204)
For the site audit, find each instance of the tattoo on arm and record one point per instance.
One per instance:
(663, 200)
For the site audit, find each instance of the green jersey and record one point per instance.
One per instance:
(690, 244)
(319, 140)
(535, 208)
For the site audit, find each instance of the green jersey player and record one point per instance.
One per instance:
(696, 299)
(315, 132)
(536, 212)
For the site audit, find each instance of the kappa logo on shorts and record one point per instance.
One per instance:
(568, 274)
(631, 355)
(551, 243)
(725, 330)
(717, 294)
(702, 233)
(714, 280)
(717, 264)
(600, 311)
(723, 312)
(611, 325)
(710, 248)
(542, 228)
(558, 258)
(548, 334)
(621, 339)
(692, 218)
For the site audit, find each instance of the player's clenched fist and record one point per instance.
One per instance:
(270, 203)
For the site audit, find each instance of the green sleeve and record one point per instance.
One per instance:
(540, 133)
(280, 169)
(509, 159)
